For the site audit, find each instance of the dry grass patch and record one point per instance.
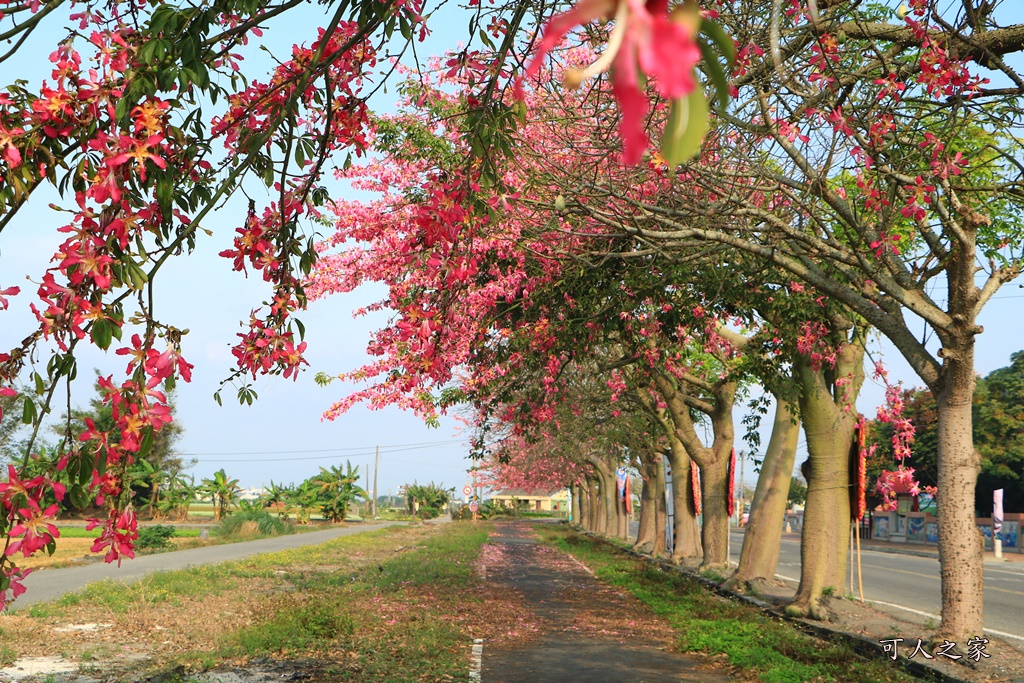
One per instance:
(393, 605)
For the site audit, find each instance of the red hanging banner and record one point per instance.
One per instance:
(695, 487)
(859, 458)
(730, 502)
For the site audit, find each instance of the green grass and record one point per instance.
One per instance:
(324, 603)
(760, 646)
(328, 610)
(80, 532)
(155, 588)
(298, 628)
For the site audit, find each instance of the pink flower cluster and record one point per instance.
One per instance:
(813, 342)
(120, 531)
(29, 524)
(646, 41)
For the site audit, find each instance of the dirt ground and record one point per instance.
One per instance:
(148, 640)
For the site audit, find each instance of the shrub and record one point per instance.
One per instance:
(155, 537)
(252, 523)
(427, 513)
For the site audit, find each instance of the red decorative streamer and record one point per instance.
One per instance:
(730, 501)
(860, 484)
(695, 487)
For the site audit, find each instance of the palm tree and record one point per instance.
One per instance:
(151, 476)
(432, 496)
(336, 488)
(178, 496)
(298, 499)
(223, 491)
(274, 497)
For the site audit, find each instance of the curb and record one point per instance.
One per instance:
(863, 646)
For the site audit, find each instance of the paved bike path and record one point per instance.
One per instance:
(621, 646)
(50, 584)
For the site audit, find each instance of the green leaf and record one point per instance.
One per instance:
(685, 129)
(716, 72)
(102, 333)
(28, 412)
(147, 442)
(726, 45)
(85, 471)
(79, 498)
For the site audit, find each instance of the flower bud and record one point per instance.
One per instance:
(573, 78)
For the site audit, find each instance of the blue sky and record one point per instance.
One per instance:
(282, 437)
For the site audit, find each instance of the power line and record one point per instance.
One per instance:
(292, 460)
(318, 457)
(422, 444)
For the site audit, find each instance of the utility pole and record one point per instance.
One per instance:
(376, 466)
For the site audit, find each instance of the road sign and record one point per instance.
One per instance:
(474, 506)
(467, 490)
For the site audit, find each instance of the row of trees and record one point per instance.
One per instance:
(332, 492)
(856, 159)
(159, 485)
(593, 314)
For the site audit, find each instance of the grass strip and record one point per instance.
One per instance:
(380, 606)
(80, 532)
(384, 620)
(757, 645)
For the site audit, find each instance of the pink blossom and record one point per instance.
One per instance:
(645, 34)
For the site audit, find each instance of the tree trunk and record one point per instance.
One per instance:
(829, 422)
(713, 461)
(586, 516)
(598, 519)
(648, 511)
(961, 544)
(609, 504)
(661, 514)
(687, 531)
(760, 555)
(714, 486)
(621, 516)
(574, 507)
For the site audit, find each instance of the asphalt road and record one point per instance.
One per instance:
(51, 584)
(911, 583)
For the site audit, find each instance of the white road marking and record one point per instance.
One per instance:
(476, 660)
(936, 616)
(918, 612)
